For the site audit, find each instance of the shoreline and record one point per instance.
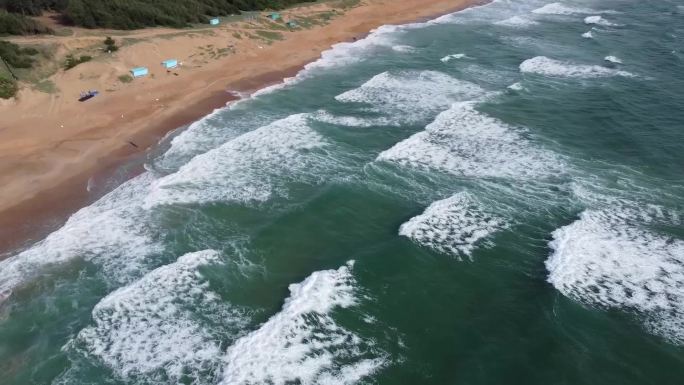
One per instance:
(30, 210)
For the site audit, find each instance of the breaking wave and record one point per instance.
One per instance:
(149, 332)
(465, 142)
(598, 20)
(562, 9)
(542, 65)
(456, 225)
(302, 343)
(113, 233)
(249, 168)
(517, 22)
(449, 58)
(411, 95)
(607, 259)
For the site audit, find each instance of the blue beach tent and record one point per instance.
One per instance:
(214, 21)
(170, 63)
(139, 72)
(274, 16)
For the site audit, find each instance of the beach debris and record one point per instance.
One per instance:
(133, 144)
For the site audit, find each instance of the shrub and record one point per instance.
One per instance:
(72, 62)
(132, 14)
(15, 24)
(125, 78)
(16, 56)
(110, 45)
(8, 88)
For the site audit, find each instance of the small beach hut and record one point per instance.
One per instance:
(170, 63)
(275, 16)
(139, 72)
(214, 21)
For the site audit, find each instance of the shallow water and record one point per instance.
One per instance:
(494, 196)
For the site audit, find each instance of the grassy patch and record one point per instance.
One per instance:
(44, 65)
(72, 61)
(8, 88)
(64, 32)
(347, 4)
(16, 56)
(237, 35)
(270, 35)
(125, 78)
(132, 40)
(277, 26)
(46, 86)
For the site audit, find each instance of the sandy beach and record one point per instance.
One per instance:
(51, 145)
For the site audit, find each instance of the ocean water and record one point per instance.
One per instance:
(492, 197)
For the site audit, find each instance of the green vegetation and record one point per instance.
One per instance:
(15, 24)
(110, 45)
(270, 35)
(347, 4)
(8, 87)
(125, 78)
(16, 56)
(72, 61)
(128, 14)
(46, 86)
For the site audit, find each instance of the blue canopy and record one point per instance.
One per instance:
(170, 63)
(139, 71)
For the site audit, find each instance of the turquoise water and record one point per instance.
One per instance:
(492, 197)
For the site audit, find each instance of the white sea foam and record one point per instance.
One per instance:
(206, 134)
(248, 168)
(112, 232)
(411, 95)
(351, 121)
(403, 48)
(517, 22)
(456, 225)
(449, 58)
(607, 259)
(588, 35)
(275, 87)
(465, 142)
(613, 59)
(148, 330)
(517, 86)
(543, 65)
(486, 13)
(598, 20)
(353, 52)
(302, 343)
(562, 9)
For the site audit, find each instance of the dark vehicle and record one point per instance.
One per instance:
(88, 95)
